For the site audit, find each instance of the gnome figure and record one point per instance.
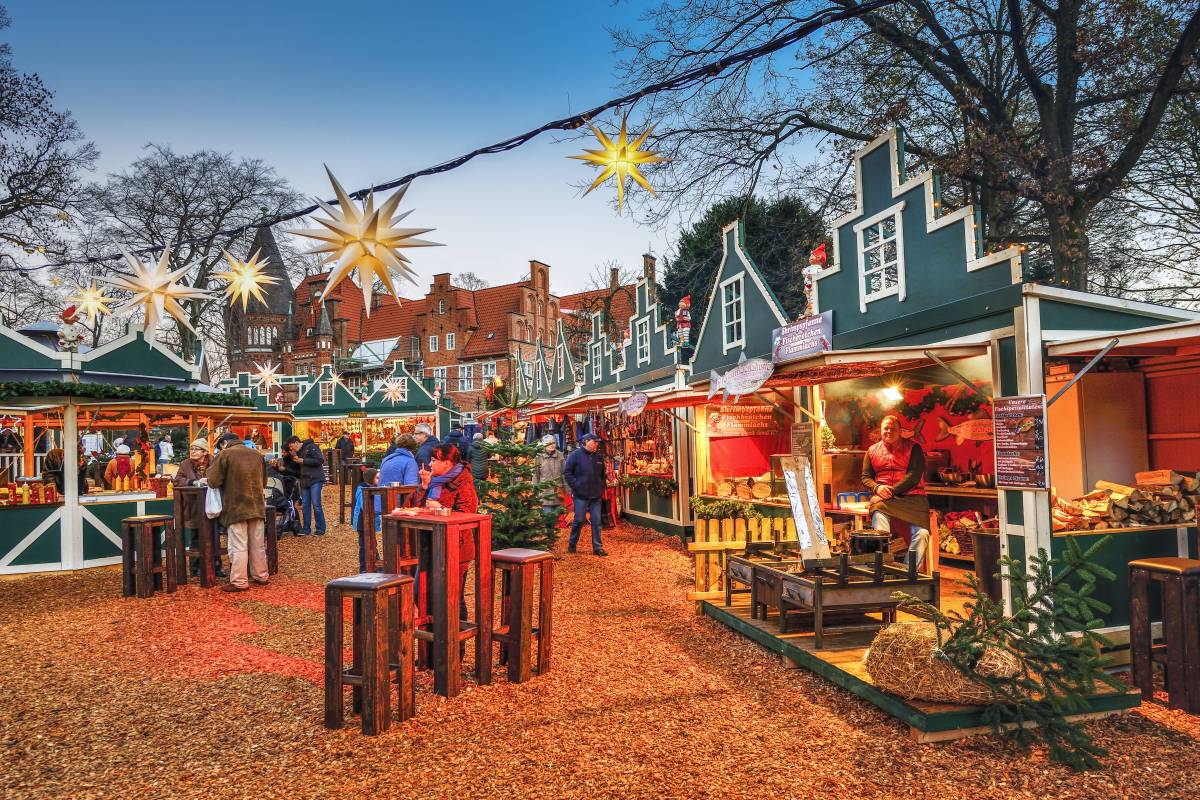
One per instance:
(70, 333)
(816, 263)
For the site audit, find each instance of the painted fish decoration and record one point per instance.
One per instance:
(976, 430)
(745, 378)
(634, 404)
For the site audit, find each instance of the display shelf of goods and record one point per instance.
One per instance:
(661, 486)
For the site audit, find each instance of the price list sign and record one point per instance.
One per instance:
(1020, 437)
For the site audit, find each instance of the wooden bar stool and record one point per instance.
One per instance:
(517, 568)
(391, 497)
(381, 645)
(349, 475)
(1180, 651)
(142, 567)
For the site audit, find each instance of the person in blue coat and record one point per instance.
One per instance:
(584, 475)
(399, 467)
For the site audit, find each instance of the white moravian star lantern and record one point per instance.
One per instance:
(395, 390)
(267, 375)
(156, 289)
(366, 238)
(245, 279)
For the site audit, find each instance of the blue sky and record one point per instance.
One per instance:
(375, 89)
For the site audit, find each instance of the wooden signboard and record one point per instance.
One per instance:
(806, 509)
(802, 439)
(1022, 458)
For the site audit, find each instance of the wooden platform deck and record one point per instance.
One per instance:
(840, 661)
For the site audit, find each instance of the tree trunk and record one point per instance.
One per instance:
(1068, 247)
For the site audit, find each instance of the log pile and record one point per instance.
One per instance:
(1159, 497)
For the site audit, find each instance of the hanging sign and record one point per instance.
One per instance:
(634, 404)
(806, 509)
(1022, 459)
(747, 420)
(802, 338)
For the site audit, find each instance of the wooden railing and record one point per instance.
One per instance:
(715, 539)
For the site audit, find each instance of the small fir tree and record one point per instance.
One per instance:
(1051, 633)
(514, 498)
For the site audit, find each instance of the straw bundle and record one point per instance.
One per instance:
(902, 661)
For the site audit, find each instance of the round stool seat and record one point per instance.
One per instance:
(144, 518)
(1169, 565)
(369, 581)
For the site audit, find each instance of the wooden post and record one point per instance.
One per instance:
(27, 464)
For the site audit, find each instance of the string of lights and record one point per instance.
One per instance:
(711, 70)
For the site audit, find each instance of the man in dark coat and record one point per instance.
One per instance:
(584, 475)
(306, 461)
(345, 447)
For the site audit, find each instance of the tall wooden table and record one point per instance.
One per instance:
(428, 544)
(393, 497)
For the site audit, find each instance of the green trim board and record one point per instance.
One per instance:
(30, 536)
(925, 719)
(563, 375)
(661, 525)
(741, 311)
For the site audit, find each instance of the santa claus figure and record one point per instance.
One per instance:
(683, 321)
(70, 333)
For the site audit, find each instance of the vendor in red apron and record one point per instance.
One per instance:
(894, 471)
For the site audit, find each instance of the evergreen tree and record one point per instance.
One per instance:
(514, 499)
(1052, 635)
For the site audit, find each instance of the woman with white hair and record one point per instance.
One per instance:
(549, 470)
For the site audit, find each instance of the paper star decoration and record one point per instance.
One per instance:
(245, 279)
(156, 289)
(367, 238)
(267, 375)
(394, 390)
(91, 300)
(620, 159)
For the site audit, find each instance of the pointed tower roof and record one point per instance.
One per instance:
(281, 294)
(324, 326)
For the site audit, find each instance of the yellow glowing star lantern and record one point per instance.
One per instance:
(366, 238)
(156, 289)
(394, 390)
(267, 375)
(245, 279)
(620, 159)
(91, 301)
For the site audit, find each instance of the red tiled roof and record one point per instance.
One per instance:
(623, 302)
(378, 326)
(492, 307)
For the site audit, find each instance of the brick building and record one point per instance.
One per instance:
(461, 339)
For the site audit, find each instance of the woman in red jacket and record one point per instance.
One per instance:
(447, 483)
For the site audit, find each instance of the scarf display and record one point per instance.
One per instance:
(438, 481)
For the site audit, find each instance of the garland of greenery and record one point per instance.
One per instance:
(107, 391)
(663, 487)
(723, 509)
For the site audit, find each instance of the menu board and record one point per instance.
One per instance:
(1022, 460)
(742, 420)
(802, 439)
(806, 508)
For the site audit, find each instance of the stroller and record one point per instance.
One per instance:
(281, 496)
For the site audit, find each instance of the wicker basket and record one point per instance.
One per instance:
(901, 660)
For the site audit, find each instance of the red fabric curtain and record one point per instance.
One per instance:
(744, 456)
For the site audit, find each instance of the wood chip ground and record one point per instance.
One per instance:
(206, 694)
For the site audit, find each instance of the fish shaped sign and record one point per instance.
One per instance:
(634, 404)
(976, 430)
(745, 378)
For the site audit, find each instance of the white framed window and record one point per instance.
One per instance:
(433, 344)
(539, 380)
(643, 341)
(326, 396)
(489, 371)
(527, 369)
(246, 392)
(439, 378)
(450, 341)
(881, 256)
(441, 306)
(733, 312)
(466, 377)
(561, 357)
(595, 361)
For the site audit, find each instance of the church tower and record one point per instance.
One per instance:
(258, 334)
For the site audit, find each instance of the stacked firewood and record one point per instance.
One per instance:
(1159, 497)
